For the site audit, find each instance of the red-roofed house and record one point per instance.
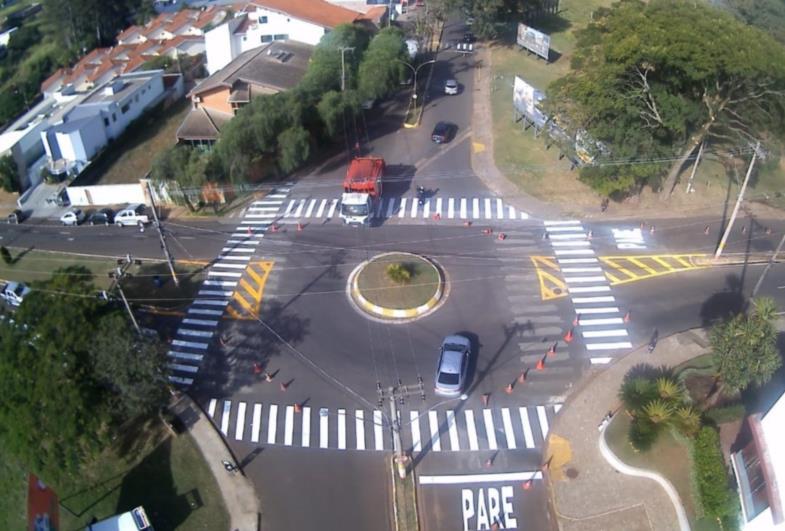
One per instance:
(265, 21)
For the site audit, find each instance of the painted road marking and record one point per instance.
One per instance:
(598, 322)
(509, 434)
(390, 208)
(201, 322)
(479, 478)
(543, 418)
(256, 422)
(499, 209)
(589, 300)
(600, 361)
(471, 430)
(475, 208)
(489, 429)
(563, 222)
(359, 429)
(590, 289)
(240, 423)
(582, 270)
(299, 211)
(605, 333)
(571, 243)
(190, 344)
(568, 236)
(331, 212)
(551, 285)
(488, 213)
(310, 208)
(182, 368)
(426, 209)
(439, 206)
(185, 356)
(577, 260)
(272, 423)
(322, 206)
(528, 437)
(433, 421)
(451, 208)
(246, 300)
(200, 311)
(402, 208)
(211, 407)
(414, 418)
(572, 252)
(341, 429)
(609, 346)
(306, 428)
(583, 280)
(324, 435)
(511, 212)
(288, 212)
(627, 269)
(556, 408)
(225, 417)
(377, 430)
(453, 431)
(605, 309)
(414, 208)
(288, 430)
(464, 213)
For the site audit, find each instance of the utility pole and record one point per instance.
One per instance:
(117, 275)
(694, 168)
(724, 239)
(768, 266)
(343, 67)
(162, 237)
(397, 395)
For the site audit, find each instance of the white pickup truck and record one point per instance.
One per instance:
(131, 215)
(14, 293)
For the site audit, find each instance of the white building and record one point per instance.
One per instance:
(101, 116)
(760, 471)
(265, 21)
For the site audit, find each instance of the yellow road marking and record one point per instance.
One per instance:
(251, 288)
(642, 267)
(479, 147)
(551, 286)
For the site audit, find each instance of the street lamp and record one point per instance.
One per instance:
(414, 71)
(343, 69)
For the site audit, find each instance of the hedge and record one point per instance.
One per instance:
(711, 476)
(721, 415)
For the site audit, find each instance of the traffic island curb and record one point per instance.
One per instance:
(396, 315)
(405, 511)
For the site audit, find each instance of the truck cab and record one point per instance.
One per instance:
(362, 188)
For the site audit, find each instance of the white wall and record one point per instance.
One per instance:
(153, 90)
(218, 45)
(280, 24)
(82, 144)
(106, 194)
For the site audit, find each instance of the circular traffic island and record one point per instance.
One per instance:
(397, 287)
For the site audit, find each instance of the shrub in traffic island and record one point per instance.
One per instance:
(6, 255)
(400, 273)
(711, 475)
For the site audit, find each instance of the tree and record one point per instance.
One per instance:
(332, 108)
(768, 15)
(9, 175)
(745, 349)
(185, 166)
(381, 70)
(132, 368)
(80, 25)
(653, 80)
(294, 148)
(324, 70)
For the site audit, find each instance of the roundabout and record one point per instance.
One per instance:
(397, 287)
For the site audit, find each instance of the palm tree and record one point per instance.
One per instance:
(636, 392)
(687, 420)
(658, 411)
(669, 389)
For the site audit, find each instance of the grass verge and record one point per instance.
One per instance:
(147, 466)
(670, 457)
(376, 286)
(13, 493)
(405, 492)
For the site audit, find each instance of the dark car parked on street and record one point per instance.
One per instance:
(105, 216)
(443, 132)
(15, 217)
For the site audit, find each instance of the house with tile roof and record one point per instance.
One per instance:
(267, 69)
(261, 22)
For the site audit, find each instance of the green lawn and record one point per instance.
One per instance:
(13, 494)
(377, 287)
(31, 265)
(147, 466)
(670, 456)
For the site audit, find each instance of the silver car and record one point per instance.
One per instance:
(453, 366)
(451, 87)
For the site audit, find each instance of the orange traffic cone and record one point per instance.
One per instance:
(744, 229)
(706, 230)
(299, 227)
(540, 364)
(487, 232)
(284, 386)
(485, 398)
(274, 228)
(257, 368)
(298, 408)
(489, 462)
(527, 484)
(250, 231)
(552, 350)
(501, 236)
(467, 223)
(437, 217)
(577, 320)
(627, 317)
(568, 336)
(508, 389)
(522, 377)
(651, 230)
(589, 235)
(495, 526)
(643, 225)
(768, 230)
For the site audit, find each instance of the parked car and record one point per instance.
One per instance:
(105, 216)
(453, 366)
(451, 87)
(15, 217)
(73, 217)
(14, 293)
(131, 215)
(469, 37)
(442, 132)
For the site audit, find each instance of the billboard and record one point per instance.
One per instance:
(526, 100)
(535, 41)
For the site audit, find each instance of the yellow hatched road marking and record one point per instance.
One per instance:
(551, 286)
(642, 267)
(610, 261)
(257, 273)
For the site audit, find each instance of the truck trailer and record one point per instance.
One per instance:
(362, 189)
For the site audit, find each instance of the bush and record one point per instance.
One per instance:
(643, 433)
(399, 273)
(6, 254)
(711, 476)
(729, 413)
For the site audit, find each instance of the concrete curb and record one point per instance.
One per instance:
(616, 463)
(733, 259)
(392, 313)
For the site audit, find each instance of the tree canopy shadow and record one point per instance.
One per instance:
(724, 304)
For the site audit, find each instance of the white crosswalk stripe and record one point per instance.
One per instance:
(256, 422)
(342, 429)
(272, 424)
(490, 432)
(324, 435)
(288, 432)
(359, 429)
(474, 443)
(433, 421)
(240, 424)
(306, 428)
(377, 431)
(414, 418)
(455, 444)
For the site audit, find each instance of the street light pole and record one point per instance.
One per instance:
(343, 68)
(724, 239)
(414, 72)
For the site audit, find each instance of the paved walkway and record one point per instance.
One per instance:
(482, 159)
(599, 497)
(238, 492)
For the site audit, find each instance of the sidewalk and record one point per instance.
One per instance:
(238, 492)
(587, 493)
(482, 160)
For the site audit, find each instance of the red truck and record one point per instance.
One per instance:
(362, 188)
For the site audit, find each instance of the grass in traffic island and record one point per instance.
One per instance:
(405, 500)
(379, 286)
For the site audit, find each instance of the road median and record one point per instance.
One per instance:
(404, 500)
(733, 259)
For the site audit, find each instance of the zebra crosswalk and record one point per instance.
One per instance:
(458, 208)
(507, 428)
